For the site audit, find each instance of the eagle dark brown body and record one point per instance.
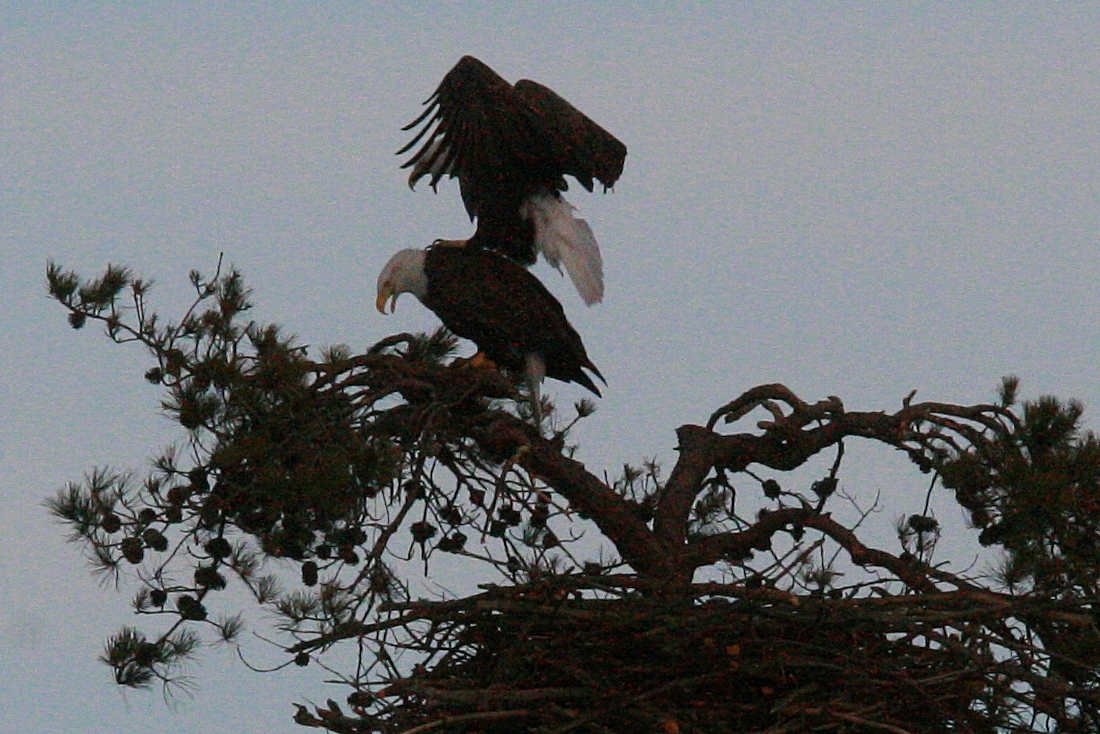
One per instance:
(506, 311)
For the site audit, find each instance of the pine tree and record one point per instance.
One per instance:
(726, 596)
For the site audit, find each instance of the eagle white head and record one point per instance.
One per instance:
(404, 273)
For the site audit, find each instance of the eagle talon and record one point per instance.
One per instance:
(482, 362)
(478, 362)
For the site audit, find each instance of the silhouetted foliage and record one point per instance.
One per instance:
(730, 595)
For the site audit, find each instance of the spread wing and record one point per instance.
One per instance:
(476, 129)
(504, 142)
(586, 149)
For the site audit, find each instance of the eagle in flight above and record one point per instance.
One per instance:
(510, 147)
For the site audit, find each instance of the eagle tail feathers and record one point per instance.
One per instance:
(565, 239)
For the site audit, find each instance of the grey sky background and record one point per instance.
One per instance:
(856, 202)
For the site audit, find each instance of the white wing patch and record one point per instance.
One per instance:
(565, 239)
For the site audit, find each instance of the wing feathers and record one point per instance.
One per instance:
(589, 150)
(495, 132)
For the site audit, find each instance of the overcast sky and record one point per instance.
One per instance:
(854, 203)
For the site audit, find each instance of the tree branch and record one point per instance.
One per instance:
(787, 442)
(616, 517)
(739, 545)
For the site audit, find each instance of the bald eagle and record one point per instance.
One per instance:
(495, 303)
(510, 147)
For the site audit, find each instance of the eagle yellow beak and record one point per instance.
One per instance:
(383, 295)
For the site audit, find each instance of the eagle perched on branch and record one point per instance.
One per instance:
(496, 304)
